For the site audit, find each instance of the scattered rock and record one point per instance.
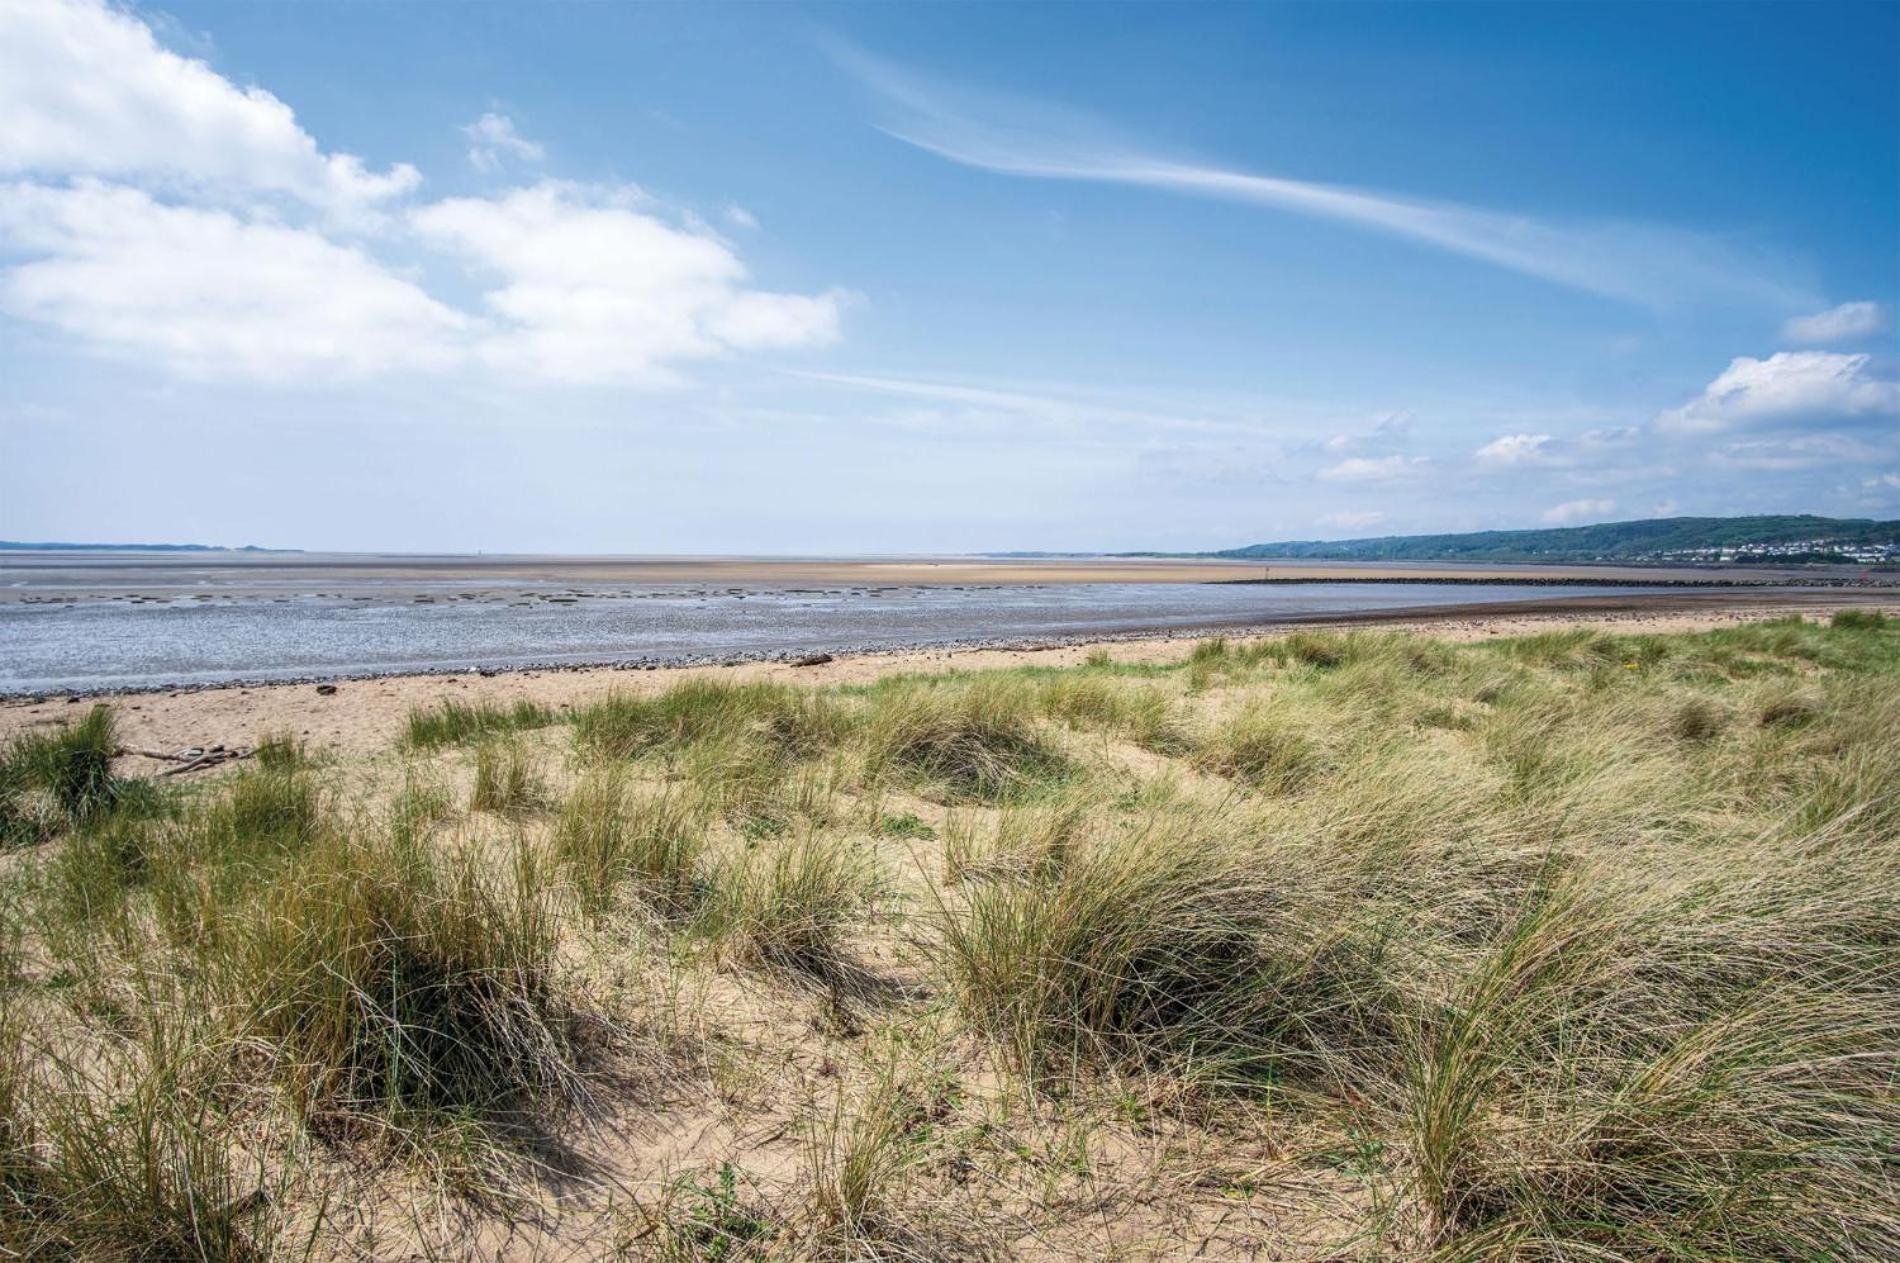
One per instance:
(325, 690)
(812, 660)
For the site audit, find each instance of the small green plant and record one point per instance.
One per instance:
(1140, 712)
(1208, 652)
(122, 1157)
(708, 1222)
(905, 826)
(398, 985)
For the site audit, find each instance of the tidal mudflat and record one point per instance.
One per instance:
(115, 622)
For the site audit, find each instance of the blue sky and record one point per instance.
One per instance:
(900, 278)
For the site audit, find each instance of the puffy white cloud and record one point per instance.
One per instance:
(1509, 451)
(1787, 388)
(1375, 469)
(1844, 323)
(1577, 510)
(161, 213)
(594, 289)
(739, 217)
(1352, 521)
(492, 139)
(209, 294)
(85, 89)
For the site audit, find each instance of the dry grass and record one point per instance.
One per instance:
(1578, 946)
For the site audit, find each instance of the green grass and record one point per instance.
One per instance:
(456, 723)
(611, 838)
(508, 779)
(1577, 946)
(791, 903)
(1859, 620)
(401, 986)
(71, 767)
(701, 710)
(977, 741)
(124, 1158)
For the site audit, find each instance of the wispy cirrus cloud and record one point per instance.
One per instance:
(1648, 264)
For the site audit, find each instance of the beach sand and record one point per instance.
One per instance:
(362, 716)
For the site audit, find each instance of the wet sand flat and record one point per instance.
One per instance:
(27, 575)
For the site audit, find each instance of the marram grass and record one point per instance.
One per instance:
(1576, 946)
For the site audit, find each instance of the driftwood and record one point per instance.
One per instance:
(191, 758)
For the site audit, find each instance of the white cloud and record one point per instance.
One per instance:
(1375, 469)
(1351, 521)
(1846, 322)
(492, 139)
(739, 217)
(1888, 482)
(594, 289)
(1652, 265)
(85, 89)
(162, 214)
(1808, 451)
(1665, 508)
(1787, 388)
(1510, 451)
(1578, 510)
(209, 294)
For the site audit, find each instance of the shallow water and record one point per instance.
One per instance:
(182, 639)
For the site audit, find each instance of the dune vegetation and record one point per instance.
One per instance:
(1570, 946)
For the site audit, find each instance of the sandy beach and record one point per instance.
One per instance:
(361, 716)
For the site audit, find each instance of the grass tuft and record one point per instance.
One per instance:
(452, 722)
(507, 779)
(398, 985)
(1261, 748)
(793, 903)
(976, 741)
(609, 837)
(1860, 620)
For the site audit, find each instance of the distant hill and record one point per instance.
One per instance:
(1796, 538)
(18, 546)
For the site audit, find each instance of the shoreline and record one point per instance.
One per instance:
(365, 712)
(1778, 595)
